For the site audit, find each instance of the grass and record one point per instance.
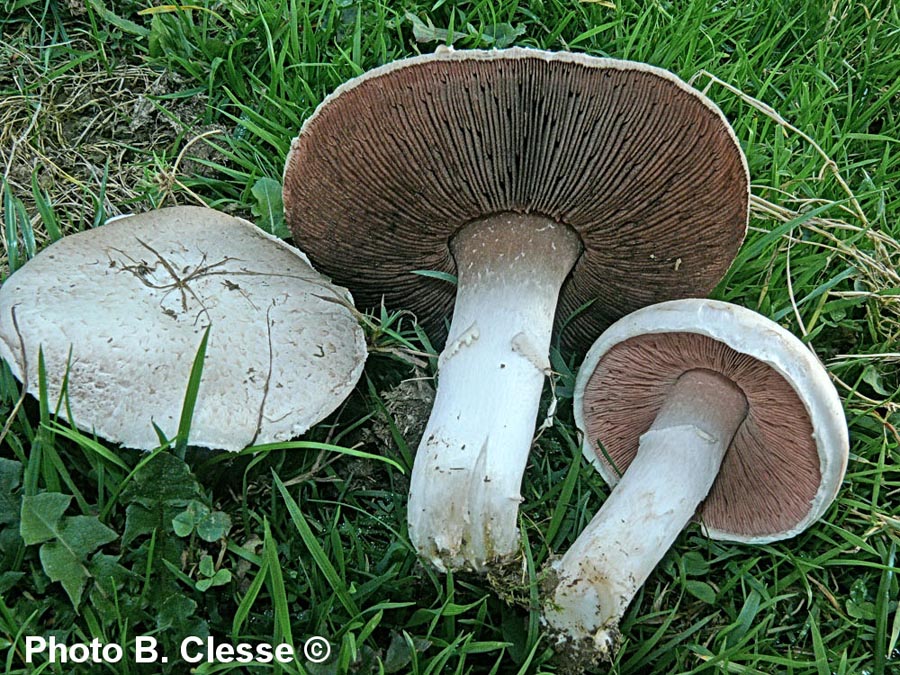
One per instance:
(112, 107)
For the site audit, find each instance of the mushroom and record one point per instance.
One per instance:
(120, 312)
(710, 410)
(533, 177)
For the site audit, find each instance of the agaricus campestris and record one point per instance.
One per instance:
(120, 311)
(533, 177)
(708, 410)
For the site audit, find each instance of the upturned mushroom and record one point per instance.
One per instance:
(691, 408)
(119, 312)
(538, 179)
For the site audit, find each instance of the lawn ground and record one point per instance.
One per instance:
(110, 107)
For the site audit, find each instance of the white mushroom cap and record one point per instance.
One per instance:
(132, 299)
(795, 430)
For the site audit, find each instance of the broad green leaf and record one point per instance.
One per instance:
(502, 35)
(159, 492)
(40, 516)
(124, 25)
(220, 578)
(65, 560)
(143, 520)
(701, 590)
(140, 520)
(10, 542)
(214, 526)
(175, 609)
(9, 579)
(165, 478)
(10, 479)
(269, 207)
(694, 564)
(859, 606)
(109, 580)
(428, 32)
(209, 525)
(185, 522)
(401, 649)
(873, 378)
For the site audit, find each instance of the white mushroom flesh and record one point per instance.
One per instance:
(677, 461)
(465, 488)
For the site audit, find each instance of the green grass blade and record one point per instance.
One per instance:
(316, 551)
(276, 588)
(242, 613)
(190, 396)
(882, 607)
(328, 447)
(11, 228)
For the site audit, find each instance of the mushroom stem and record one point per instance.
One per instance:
(677, 461)
(465, 486)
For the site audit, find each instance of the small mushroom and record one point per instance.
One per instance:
(533, 177)
(120, 311)
(691, 408)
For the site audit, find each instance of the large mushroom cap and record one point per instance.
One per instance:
(132, 299)
(644, 168)
(788, 457)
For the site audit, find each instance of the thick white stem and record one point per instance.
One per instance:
(676, 463)
(465, 486)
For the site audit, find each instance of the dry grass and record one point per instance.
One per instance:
(95, 141)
